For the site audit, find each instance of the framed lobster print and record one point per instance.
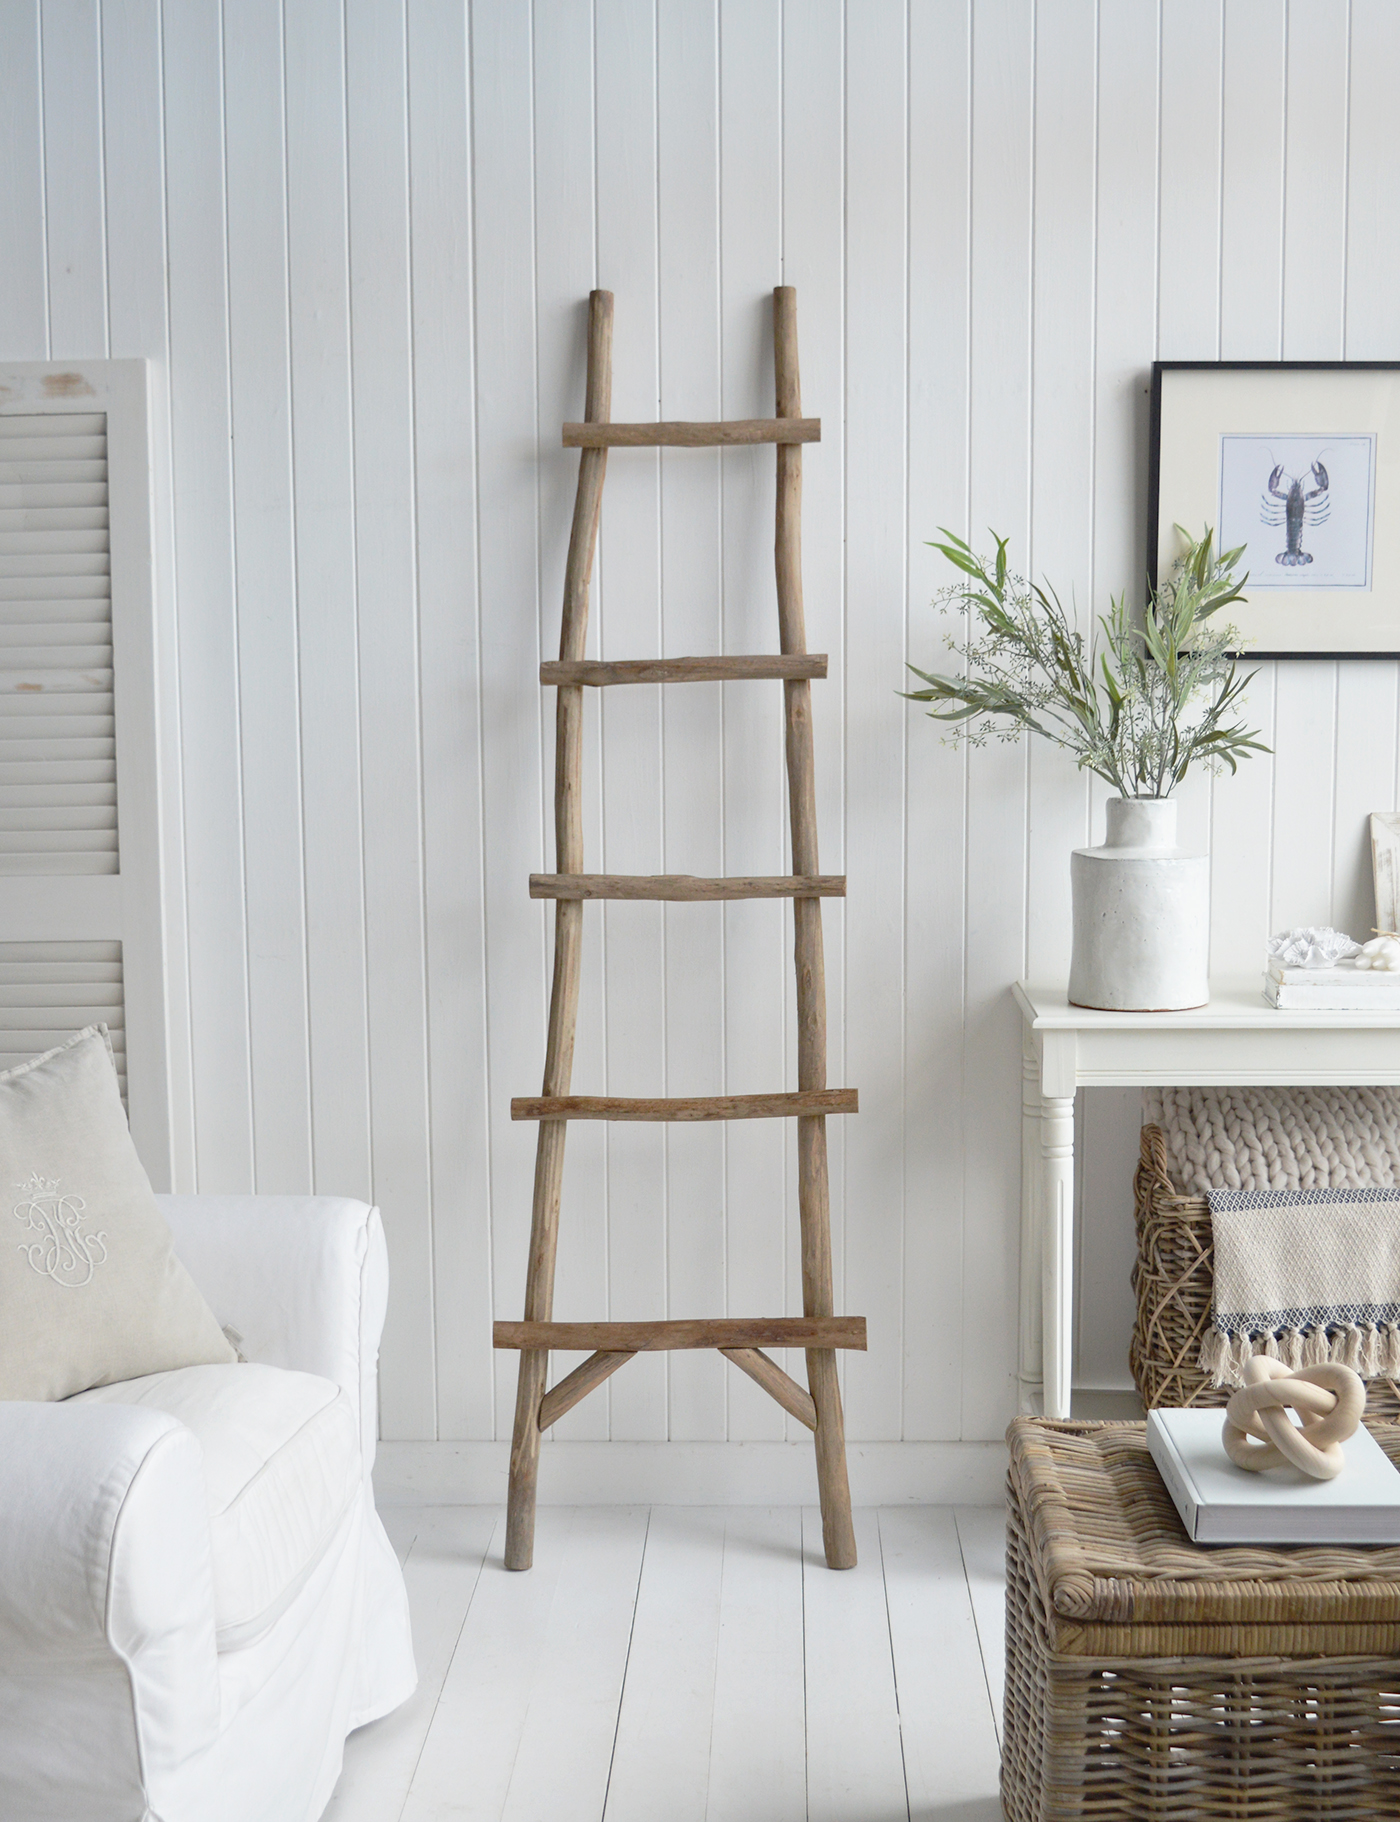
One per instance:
(1299, 462)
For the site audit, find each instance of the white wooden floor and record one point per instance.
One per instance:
(679, 1664)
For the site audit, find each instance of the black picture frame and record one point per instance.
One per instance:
(1379, 588)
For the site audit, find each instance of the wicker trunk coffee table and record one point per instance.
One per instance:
(1147, 1676)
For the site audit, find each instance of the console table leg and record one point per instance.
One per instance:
(1057, 1231)
(1031, 1370)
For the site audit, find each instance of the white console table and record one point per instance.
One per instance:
(1237, 1038)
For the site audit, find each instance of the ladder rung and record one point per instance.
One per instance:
(680, 887)
(794, 665)
(649, 1337)
(684, 434)
(685, 1107)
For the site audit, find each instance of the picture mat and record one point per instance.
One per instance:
(1199, 406)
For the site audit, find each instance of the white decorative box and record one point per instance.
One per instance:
(1222, 1504)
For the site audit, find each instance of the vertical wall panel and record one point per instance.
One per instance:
(361, 271)
(692, 725)
(757, 953)
(1003, 53)
(327, 618)
(939, 128)
(24, 305)
(134, 156)
(1373, 198)
(268, 659)
(565, 253)
(512, 701)
(877, 99)
(74, 180)
(1314, 214)
(1251, 180)
(813, 203)
(629, 619)
(206, 592)
(449, 632)
(381, 354)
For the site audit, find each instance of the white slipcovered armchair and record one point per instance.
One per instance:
(197, 1598)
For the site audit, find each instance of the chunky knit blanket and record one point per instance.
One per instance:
(1278, 1138)
(1304, 1191)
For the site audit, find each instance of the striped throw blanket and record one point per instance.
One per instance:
(1305, 1275)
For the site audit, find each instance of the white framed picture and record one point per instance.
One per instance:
(1299, 463)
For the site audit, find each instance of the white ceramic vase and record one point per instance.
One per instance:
(1141, 914)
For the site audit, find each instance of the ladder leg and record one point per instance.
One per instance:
(568, 945)
(838, 1532)
(539, 1304)
(813, 1193)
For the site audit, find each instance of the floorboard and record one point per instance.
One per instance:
(855, 1769)
(951, 1755)
(442, 1549)
(525, 1725)
(982, 1534)
(692, 1664)
(758, 1758)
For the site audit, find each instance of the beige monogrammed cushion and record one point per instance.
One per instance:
(90, 1289)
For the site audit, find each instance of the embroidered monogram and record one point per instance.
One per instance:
(62, 1251)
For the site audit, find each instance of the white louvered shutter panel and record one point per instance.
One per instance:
(81, 939)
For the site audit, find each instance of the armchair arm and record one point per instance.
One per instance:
(303, 1279)
(106, 1598)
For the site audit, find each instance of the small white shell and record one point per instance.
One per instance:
(1312, 947)
(1381, 953)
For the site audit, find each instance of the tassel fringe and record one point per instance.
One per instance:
(1374, 1353)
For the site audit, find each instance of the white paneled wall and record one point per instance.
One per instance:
(359, 239)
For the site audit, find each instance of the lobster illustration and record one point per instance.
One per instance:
(1294, 506)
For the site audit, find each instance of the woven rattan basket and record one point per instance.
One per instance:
(1153, 1679)
(1174, 1277)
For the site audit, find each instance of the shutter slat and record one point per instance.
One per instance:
(47, 996)
(39, 865)
(51, 448)
(48, 518)
(17, 543)
(55, 841)
(37, 592)
(47, 493)
(81, 976)
(56, 425)
(39, 716)
(85, 655)
(30, 790)
(45, 474)
(105, 953)
(55, 771)
(60, 745)
(62, 816)
(55, 683)
(43, 634)
(23, 566)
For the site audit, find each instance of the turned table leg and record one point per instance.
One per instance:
(1056, 1210)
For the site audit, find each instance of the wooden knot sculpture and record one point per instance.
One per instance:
(1260, 1434)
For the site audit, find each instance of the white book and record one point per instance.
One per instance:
(1222, 1504)
(1345, 988)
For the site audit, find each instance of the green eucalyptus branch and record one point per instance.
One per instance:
(1138, 703)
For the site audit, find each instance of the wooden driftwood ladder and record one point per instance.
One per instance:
(817, 1330)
